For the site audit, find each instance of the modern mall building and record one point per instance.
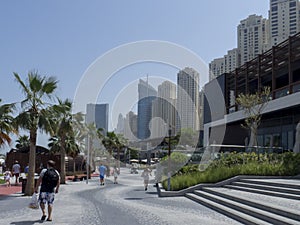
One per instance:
(279, 69)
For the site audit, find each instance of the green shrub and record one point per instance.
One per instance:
(233, 164)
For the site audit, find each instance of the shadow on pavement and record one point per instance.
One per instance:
(28, 222)
(133, 198)
(3, 197)
(141, 198)
(151, 192)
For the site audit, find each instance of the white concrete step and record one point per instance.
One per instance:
(246, 209)
(232, 213)
(285, 207)
(288, 183)
(271, 187)
(261, 191)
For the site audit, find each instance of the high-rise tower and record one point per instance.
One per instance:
(252, 37)
(97, 114)
(284, 20)
(146, 95)
(163, 110)
(187, 99)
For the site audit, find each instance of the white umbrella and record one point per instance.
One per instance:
(134, 160)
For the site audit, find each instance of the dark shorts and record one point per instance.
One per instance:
(101, 177)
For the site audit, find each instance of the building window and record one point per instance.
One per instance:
(292, 4)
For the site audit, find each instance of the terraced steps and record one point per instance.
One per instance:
(254, 201)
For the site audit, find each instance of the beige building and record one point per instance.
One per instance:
(225, 64)
(284, 20)
(187, 99)
(163, 110)
(252, 37)
(216, 68)
(130, 126)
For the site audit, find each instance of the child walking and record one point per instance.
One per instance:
(7, 176)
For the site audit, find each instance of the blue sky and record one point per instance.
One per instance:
(63, 38)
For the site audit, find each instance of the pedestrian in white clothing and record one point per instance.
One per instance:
(116, 173)
(146, 177)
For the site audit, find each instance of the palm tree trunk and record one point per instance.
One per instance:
(74, 164)
(119, 159)
(63, 162)
(29, 190)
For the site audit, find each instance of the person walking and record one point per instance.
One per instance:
(7, 176)
(146, 177)
(102, 171)
(26, 170)
(49, 180)
(115, 173)
(16, 171)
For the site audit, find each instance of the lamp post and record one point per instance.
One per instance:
(169, 161)
(88, 160)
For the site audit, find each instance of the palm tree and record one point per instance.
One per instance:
(108, 141)
(79, 130)
(22, 142)
(64, 131)
(6, 123)
(35, 115)
(92, 136)
(113, 142)
(71, 147)
(121, 143)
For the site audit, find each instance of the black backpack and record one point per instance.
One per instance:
(50, 178)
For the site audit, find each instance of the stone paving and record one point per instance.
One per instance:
(120, 204)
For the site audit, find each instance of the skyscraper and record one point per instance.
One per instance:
(187, 99)
(284, 20)
(231, 60)
(146, 95)
(252, 37)
(120, 125)
(98, 114)
(164, 110)
(216, 67)
(130, 126)
(226, 64)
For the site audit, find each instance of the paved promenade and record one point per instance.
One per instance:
(125, 203)
(67, 207)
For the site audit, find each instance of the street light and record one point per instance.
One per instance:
(88, 160)
(169, 161)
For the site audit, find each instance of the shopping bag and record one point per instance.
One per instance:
(34, 202)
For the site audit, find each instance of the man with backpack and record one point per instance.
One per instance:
(49, 180)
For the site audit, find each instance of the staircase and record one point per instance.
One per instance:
(254, 201)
